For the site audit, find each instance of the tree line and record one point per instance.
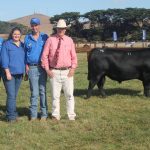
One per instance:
(6, 27)
(99, 25)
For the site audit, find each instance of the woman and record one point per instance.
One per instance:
(1, 42)
(13, 63)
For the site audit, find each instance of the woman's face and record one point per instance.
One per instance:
(16, 35)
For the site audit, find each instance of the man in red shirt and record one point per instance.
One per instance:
(60, 61)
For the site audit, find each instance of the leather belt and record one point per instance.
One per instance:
(34, 64)
(62, 68)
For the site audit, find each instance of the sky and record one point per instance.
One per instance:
(12, 9)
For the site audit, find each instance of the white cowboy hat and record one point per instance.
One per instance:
(61, 23)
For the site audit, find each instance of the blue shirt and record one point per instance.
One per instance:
(34, 48)
(13, 57)
(1, 42)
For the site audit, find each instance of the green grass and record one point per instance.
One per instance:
(119, 122)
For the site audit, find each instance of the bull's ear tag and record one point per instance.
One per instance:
(101, 50)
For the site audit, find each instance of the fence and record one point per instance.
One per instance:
(86, 47)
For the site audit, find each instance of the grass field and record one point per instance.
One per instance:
(119, 122)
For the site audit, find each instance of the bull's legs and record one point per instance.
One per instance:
(92, 83)
(146, 89)
(100, 85)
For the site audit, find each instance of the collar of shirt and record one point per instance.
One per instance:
(31, 36)
(58, 37)
(12, 42)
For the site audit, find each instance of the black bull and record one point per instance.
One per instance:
(119, 65)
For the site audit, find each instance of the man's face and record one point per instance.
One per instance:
(35, 28)
(61, 31)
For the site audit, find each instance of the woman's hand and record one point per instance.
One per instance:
(8, 74)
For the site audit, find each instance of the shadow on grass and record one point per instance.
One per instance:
(109, 92)
(22, 111)
(123, 91)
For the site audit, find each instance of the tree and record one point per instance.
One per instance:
(72, 20)
(100, 24)
(6, 27)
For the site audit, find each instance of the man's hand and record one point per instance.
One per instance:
(26, 77)
(50, 73)
(71, 72)
(27, 69)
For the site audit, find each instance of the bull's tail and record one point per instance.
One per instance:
(90, 66)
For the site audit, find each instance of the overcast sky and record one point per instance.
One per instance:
(12, 9)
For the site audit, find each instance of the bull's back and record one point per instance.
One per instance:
(119, 65)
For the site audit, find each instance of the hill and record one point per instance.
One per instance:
(46, 27)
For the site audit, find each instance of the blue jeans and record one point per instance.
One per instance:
(37, 80)
(12, 87)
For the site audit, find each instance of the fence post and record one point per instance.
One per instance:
(103, 44)
(115, 44)
(95, 45)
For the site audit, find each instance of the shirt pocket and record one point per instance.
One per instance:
(42, 43)
(11, 52)
(67, 47)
